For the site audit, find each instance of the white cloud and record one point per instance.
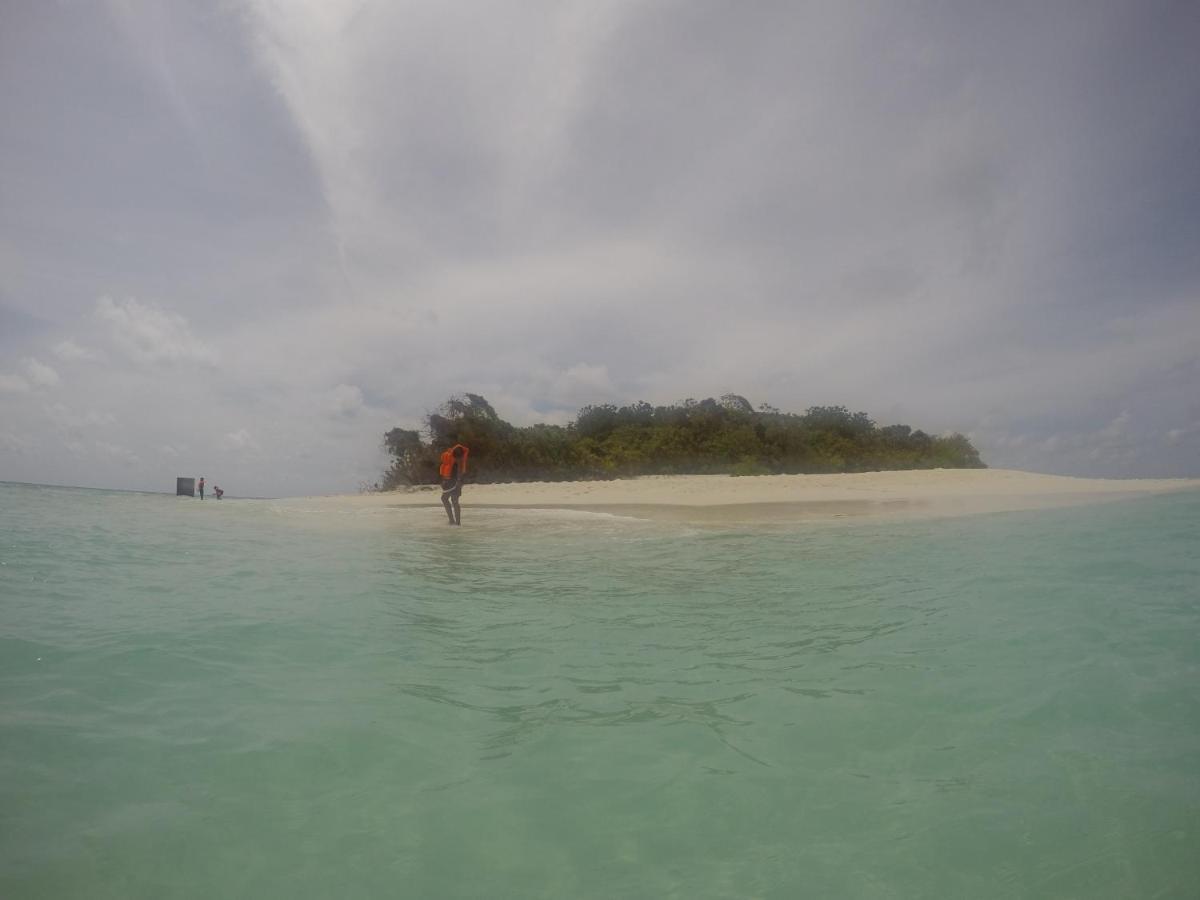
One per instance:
(16, 444)
(240, 440)
(40, 374)
(344, 402)
(70, 351)
(13, 384)
(1117, 429)
(1177, 436)
(584, 383)
(61, 415)
(116, 452)
(1113, 449)
(37, 375)
(149, 334)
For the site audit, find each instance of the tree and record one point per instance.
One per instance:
(693, 436)
(596, 421)
(411, 459)
(736, 403)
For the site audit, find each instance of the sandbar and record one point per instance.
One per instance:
(723, 499)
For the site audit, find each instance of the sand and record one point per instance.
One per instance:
(781, 498)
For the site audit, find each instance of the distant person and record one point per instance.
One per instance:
(201, 487)
(217, 492)
(452, 470)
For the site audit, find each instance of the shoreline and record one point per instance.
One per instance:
(718, 499)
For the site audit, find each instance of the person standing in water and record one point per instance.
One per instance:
(201, 487)
(452, 470)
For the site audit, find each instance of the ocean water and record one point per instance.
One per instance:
(270, 699)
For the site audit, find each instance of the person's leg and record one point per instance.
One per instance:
(457, 512)
(446, 504)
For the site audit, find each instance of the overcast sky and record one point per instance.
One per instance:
(243, 239)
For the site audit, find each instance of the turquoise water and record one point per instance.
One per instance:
(267, 699)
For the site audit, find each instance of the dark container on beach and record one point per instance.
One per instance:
(185, 487)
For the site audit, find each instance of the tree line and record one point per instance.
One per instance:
(711, 436)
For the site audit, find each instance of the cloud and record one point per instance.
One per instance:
(953, 217)
(37, 375)
(240, 440)
(70, 351)
(15, 444)
(150, 335)
(66, 418)
(40, 374)
(1120, 447)
(13, 384)
(344, 402)
(584, 383)
(122, 455)
(1176, 436)
(1116, 430)
(146, 33)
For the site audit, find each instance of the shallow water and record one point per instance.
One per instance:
(270, 699)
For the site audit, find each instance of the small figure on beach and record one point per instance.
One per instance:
(201, 487)
(217, 492)
(452, 470)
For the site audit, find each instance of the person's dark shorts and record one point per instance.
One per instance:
(449, 488)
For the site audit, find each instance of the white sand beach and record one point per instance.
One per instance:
(782, 498)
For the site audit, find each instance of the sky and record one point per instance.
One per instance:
(243, 239)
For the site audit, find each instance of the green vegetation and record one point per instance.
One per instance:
(693, 437)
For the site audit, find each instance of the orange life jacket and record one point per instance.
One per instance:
(448, 461)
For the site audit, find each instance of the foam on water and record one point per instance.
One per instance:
(279, 698)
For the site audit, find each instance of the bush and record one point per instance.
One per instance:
(748, 465)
